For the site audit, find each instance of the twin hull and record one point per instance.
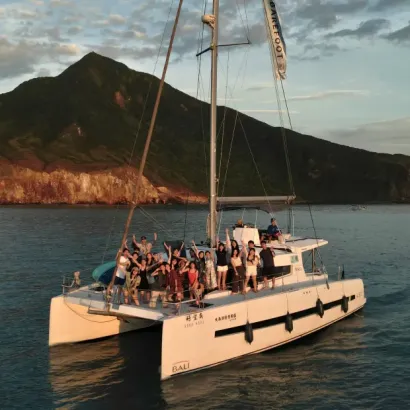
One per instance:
(216, 334)
(210, 337)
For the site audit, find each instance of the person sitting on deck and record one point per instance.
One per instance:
(144, 247)
(273, 229)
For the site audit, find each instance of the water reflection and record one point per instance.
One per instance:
(274, 379)
(103, 374)
(125, 370)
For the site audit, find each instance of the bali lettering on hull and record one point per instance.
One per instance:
(180, 367)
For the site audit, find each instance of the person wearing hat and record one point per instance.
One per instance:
(273, 229)
(144, 246)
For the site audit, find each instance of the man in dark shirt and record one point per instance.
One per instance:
(159, 286)
(268, 269)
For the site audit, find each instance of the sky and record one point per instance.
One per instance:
(348, 78)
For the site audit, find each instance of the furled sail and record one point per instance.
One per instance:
(277, 43)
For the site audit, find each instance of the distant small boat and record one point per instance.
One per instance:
(359, 208)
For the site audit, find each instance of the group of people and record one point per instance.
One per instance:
(145, 277)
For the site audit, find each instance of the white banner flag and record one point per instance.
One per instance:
(277, 43)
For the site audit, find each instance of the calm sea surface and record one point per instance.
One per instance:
(359, 363)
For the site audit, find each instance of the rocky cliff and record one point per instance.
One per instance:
(21, 185)
(68, 139)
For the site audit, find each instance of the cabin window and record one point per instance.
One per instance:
(282, 270)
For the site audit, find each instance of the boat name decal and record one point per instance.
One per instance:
(194, 319)
(226, 317)
(180, 366)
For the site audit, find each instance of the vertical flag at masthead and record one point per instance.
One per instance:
(277, 43)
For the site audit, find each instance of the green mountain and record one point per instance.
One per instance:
(86, 120)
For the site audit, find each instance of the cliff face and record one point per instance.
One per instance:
(20, 185)
(69, 139)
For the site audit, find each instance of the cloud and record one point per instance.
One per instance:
(259, 86)
(116, 19)
(328, 95)
(24, 14)
(61, 3)
(366, 29)
(22, 57)
(326, 14)
(251, 111)
(390, 136)
(313, 52)
(383, 5)
(400, 36)
(74, 30)
(43, 72)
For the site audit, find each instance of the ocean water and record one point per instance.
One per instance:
(360, 363)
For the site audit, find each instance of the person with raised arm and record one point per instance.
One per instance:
(144, 272)
(174, 253)
(144, 247)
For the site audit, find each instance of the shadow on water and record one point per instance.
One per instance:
(104, 374)
(125, 370)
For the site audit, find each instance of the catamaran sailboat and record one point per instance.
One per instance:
(224, 326)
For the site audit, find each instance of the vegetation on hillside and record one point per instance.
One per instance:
(86, 119)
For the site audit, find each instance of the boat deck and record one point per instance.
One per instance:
(95, 301)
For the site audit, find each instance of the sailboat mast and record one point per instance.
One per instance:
(213, 128)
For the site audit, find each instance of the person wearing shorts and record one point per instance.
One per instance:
(222, 261)
(252, 261)
(122, 266)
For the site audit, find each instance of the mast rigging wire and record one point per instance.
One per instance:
(148, 140)
(139, 127)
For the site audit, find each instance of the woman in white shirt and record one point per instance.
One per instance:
(252, 262)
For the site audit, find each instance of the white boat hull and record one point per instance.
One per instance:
(193, 342)
(73, 322)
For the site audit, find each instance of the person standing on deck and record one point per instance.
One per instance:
(144, 247)
(222, 261)
(268, 269)
(159, 286)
